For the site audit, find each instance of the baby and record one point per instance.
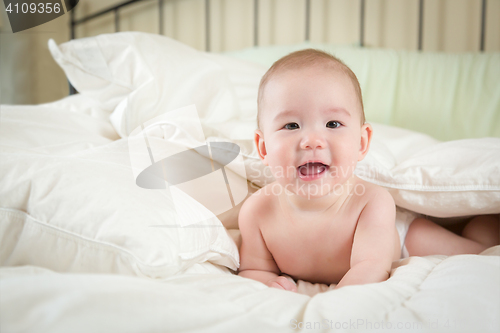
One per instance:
(319, 222)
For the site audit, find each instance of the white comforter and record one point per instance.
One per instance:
(104, 282)
(439, 294)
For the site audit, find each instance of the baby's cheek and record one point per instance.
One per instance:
(277, 155)
(346, 163)
(352, 164)
(279, 169)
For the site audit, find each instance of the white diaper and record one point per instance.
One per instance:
(403, 220)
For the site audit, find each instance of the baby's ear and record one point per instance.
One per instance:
(261, 145)
(366, 137)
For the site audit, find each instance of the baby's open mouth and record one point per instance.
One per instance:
(312, 170)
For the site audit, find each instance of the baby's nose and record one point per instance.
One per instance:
(312, 141)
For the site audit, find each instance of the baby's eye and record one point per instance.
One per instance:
(291, 126)
(333, 124)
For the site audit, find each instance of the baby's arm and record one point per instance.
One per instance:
(373, 246)
(256, 262)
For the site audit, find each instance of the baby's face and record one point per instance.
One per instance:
(311, 130)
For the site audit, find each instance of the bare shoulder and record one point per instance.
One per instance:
(256, 207)
(370, 192)
(376, 199)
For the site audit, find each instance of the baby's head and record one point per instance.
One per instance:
(304, 59)
(312, 128)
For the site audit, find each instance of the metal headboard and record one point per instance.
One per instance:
(116, 10)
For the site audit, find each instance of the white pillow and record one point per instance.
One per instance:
(142, 76)
(441, 179)
(71, 204)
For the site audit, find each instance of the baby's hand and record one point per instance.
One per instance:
(281, 282)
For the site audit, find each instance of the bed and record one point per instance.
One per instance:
(87, 246)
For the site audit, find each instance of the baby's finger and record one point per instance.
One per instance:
(290, 286)
(276, 285)
(287, 284)
(293, 287)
